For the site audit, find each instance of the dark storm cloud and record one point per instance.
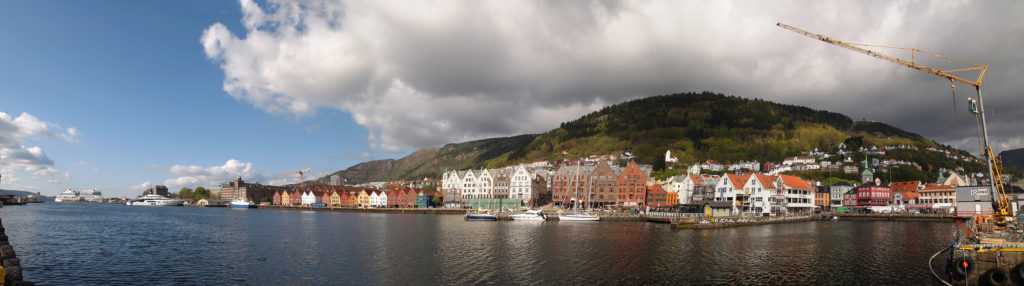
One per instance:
(418, 74)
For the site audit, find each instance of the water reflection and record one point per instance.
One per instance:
(111, 244)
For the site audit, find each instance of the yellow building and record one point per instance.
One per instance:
(285, 198)
(335, 199)
(364, 198)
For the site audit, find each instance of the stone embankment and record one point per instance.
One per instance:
(722, 222)
(11, 263)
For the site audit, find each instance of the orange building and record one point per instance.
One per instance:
(632, 186)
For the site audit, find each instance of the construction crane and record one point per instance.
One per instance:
(300, 172)
(1001, 206)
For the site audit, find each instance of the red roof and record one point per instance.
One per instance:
(794, 182)
(908, 186)
(937, 187)
(766, 181)
(737, 180)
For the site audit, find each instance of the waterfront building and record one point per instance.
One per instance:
(873, 194)
(378, 199)
(822, 198)
(451, 188)
(484, 184)
(850, 198)
(364, 197)
(570, 182)
(905, 193)
(249, 191)
(308, 197)
(726, 190)
(973, 201)
(836, 192)
(425, 199)
(799, 195)
(719, 209)
(469, 185)
(277, 198)
(656, 196)
(324, 197)
(392, 198)
(632, 186)
(335, 199)
(602, 183)
(501, 183)
(295, 197)
(765, 198)
(351, 198)
(525, 185)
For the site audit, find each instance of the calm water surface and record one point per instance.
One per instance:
(64, 244)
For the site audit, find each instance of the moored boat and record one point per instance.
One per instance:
(242, 204)
(481, 216)
(157, 200)
(578, 217)
(530, 215)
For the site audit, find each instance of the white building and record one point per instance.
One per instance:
(485, 184)
(469, 185)
(730, 189)
(765, 198)
(451, 188)
(798, 193)
(308, 198)
(379, 199)
(526, 185)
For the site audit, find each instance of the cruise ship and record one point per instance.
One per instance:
(157, 200)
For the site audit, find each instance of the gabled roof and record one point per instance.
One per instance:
(937, 187)
(737, 180)
(794, 182)
(766, 181)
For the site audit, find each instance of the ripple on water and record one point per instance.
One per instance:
(122, 245)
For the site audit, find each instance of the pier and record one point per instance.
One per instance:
(899, 217)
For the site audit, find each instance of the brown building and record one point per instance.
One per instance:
(632, 186)
(253, 192)
(603, 181)
(570, 184)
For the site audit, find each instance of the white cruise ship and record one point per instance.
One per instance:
(67, 196)
(157, 200)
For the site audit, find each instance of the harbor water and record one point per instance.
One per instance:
(83, 244)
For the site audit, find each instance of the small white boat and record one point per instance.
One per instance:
(578, 217)
(530, 215)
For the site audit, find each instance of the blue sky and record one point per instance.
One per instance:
(122, 95)
(132, 77)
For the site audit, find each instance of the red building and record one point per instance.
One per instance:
(277, 198)
(632, 186)
(870, 194)
(656, 196)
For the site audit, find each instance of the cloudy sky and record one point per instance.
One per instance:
(122, 95)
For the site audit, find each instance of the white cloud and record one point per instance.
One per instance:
(354, 155)
(71, 135)
(428, 73)
(15, 156)
(142, 186)
(190, 176)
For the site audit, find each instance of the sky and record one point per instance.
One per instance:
(123, 95)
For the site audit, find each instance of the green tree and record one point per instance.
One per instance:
(185, 193)
(436, 200)
(200, 193)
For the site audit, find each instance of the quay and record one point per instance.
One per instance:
(438, 211)
(900, 217)
(723, 222)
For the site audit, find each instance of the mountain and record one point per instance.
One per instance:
(694, 126)
(1013, 159)
(431, 161)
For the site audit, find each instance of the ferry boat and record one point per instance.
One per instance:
(157, 200)
(242, 204)
(530, 215)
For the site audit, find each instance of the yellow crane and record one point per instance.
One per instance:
(1001, 206)
(300, 172)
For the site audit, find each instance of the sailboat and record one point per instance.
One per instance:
(576, 216)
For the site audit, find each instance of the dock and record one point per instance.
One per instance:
(438, 211)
